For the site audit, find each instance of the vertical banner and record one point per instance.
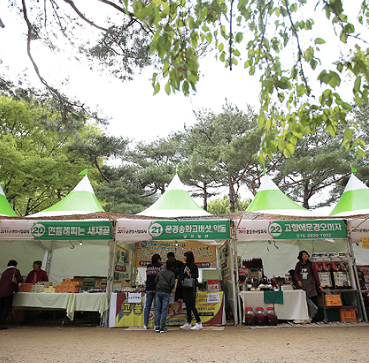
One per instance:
(121, 268)
(224, 257)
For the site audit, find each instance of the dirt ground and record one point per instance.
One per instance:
(336, 342)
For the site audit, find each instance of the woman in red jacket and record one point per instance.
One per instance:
(7, 290)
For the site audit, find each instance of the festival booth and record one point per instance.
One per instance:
(187, 228)
(269, 237)
(354, 206)
(74, 249)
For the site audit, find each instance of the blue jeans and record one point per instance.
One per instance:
(161, 306)
(149, 299)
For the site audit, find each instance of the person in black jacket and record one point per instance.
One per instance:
(151, 272)
(178, 265)
(189, 294)
(165, 282)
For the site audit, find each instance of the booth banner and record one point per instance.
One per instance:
(146, 230)
(284, 230)
(55, 230)
(211, 312)
(224, 257)
(205, 255)
(359, 228)
(121, 268)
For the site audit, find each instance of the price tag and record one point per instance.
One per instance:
(134, 297)
(213, 298)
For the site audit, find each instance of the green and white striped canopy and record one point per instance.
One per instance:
(354, 200)
(81, 200)
(271, 200)
(175, 202)
(5, 208)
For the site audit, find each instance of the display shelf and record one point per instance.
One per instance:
(350, 300)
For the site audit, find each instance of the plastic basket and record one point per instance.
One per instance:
(348, 315)
(330, 300)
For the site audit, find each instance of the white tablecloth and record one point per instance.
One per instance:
(68, 301)
(293, 308)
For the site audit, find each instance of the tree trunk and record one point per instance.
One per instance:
(306, 195)
(205, 198)
(232, 198)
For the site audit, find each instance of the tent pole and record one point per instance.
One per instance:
(353, 268)
(109, 287)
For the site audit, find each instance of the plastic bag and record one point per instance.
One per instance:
(312, 308)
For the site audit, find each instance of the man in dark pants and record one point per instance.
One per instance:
(7, 290)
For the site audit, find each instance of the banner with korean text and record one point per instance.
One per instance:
(285, 230)
(129, 230)
(209, 305)
(55, 230)
(205, 255)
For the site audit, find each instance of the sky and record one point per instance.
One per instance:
(134, 112)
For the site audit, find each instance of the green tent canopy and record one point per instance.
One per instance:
(81, 200)
(175, 202)
(271, 200)
(5, 208)
(354, 200)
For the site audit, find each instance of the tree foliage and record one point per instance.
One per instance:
(222, 205)
(37, 167)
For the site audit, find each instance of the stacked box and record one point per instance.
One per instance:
(26, 287)
(348, 315)
(330, 300)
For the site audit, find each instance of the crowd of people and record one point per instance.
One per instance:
(9, 285)
(162, 280)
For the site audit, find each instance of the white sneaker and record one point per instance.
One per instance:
(197, 326)
(186, 326)
(146, 327)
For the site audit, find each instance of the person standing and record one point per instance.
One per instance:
(165, 282)
(189, 294)
(151, 272)
(7, 290)
(178, 265)
(307, 277)
(37, 274)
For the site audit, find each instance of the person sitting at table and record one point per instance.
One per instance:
(7, 290)
(37, 274)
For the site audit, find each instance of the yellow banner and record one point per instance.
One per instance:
(205, 255)
(209, 305)
(365, 241)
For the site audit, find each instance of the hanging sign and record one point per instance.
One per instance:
(285, 230)
(224, 258)
(55, 230)
(72, 230)
(146, 230)
(365, 242)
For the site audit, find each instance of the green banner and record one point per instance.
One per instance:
(172, 230)
(57, 230)
(307, 229)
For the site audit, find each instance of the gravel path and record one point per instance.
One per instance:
(338, 343)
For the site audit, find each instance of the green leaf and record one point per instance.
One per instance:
(167, 88)
(348, 133)
(319, 41)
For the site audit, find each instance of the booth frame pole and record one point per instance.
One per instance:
(353, 267)
(109, 287)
